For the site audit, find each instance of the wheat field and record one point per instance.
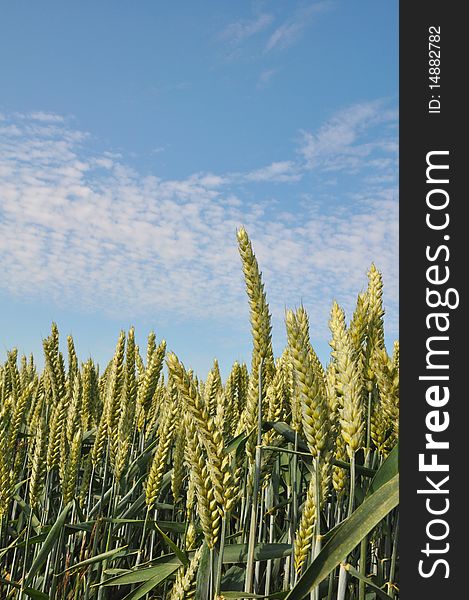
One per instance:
(142, 480)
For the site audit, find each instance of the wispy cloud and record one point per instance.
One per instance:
(240, 30)
(265, 78)
(344, 142)
(84, 230)
(266, 32)
(44, 117)
(281, 171)
(292, 28)
(157, 150)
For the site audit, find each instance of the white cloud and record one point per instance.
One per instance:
(85, 230)
(45, 117)
(239, 31)
(157, 150)
(265, 78)
(284, 35)
(342, 142)
(281, 171)
(266, 30)
(291, 30)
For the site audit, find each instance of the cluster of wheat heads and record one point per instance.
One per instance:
(144, 481)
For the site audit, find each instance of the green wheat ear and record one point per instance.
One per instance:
(315, 418)
(262, 353)
(348, 382)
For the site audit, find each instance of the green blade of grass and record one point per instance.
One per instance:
(236, 553)
(377, 590)
(49, 542)
(177, 551)
(35, 524)
(115, 553)
(385, 473)
(348, 536)
(147, 573)
(164, 571)
(202, 580)
(232, 595)
(387, 470)
(289, 434)
(236, 443)
(35, 594)
(30, 592)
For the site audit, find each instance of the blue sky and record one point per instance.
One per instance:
(136, 136)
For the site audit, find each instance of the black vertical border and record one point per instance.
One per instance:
(421, 132)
